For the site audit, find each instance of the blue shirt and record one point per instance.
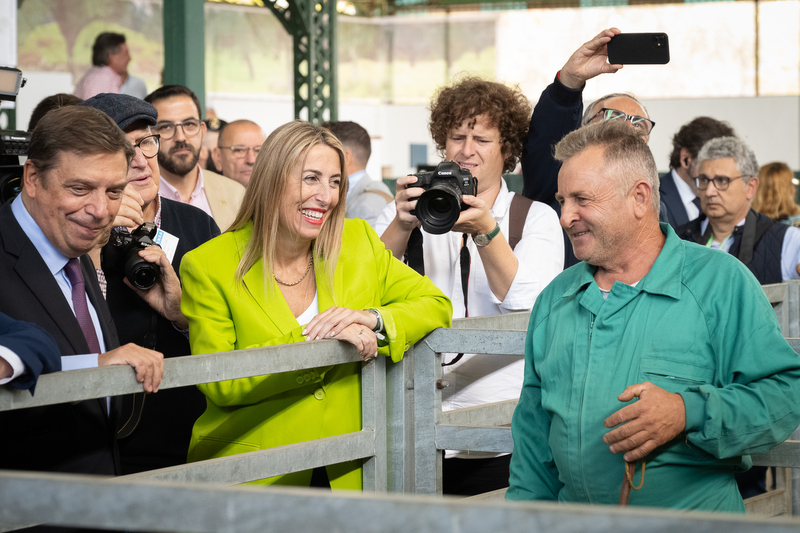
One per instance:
(56, 261)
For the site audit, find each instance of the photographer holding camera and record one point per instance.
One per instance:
(140, 263)
(498, 255)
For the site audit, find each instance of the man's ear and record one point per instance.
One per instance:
(686, 158)
(642, 198)
(751, 188)
(31, 178)
(216, 156)
(202, 131)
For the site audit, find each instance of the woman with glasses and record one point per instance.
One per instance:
(776, 193)
(292, 269)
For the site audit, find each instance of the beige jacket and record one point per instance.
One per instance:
(224, 197)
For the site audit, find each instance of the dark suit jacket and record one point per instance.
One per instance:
(32, 344)
(676, 212)
(67, 437)
(162, 434)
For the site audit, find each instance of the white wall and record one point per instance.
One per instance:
(770, 125)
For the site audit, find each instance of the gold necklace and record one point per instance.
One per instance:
(310, 263)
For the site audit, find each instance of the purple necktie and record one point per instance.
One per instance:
(75, 276)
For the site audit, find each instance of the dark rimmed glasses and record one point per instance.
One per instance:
(149, 145)
(167, 129)
(641, 123)
(721, 183)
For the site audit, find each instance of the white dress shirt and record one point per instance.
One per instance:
(480, 379)
(687, 196)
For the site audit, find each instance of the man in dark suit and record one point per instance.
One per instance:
(678, 189)
(73, 183)
(26, 350)
(158, 430)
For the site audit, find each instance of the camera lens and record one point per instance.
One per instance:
(439, 207)
(139, 272)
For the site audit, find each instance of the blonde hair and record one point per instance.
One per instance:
(776, 192)
(284, 149)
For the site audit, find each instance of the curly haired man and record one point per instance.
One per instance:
(498, 257)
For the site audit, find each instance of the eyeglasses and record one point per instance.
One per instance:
(149, 145)
(167, 129)
(240, 151)
(644, 124)
(721, 183)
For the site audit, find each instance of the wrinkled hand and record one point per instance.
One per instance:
(364, 339)
(148, 364)
(588, 61)
(165, 295)
(655, 419)
(334, 320)
(477, 219)
(405, 199)
(130, 211)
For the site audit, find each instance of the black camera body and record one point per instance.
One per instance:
(122, 253)
(13, 144)
(439, 207)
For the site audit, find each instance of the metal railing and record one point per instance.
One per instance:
(403, 430)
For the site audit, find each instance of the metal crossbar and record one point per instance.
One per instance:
(84, 501)
(404, 430)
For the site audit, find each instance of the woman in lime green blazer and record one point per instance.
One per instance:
(291, 269)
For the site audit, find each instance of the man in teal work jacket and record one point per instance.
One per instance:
(653, 350)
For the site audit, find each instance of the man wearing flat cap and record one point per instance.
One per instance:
(154, 433)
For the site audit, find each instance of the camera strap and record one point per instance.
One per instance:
(414, 257)
(466, 263)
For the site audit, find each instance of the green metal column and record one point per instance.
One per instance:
(184, 46)
(312, 25)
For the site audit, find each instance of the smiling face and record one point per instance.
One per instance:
(179, 155)
(478, 149)
(593, 213)
(76, 202)
(143, 175)
(311, 193)
(731, 205)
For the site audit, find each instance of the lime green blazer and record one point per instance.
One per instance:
(244, 415)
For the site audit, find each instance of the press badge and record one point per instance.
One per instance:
(168, 242)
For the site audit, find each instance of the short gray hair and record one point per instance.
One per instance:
(590, 111)
(625, 155)
(730, 148)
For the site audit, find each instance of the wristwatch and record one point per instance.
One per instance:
(482, 239)
(379, 319)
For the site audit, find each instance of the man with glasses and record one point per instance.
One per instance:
(727, 180)
(237, 149)
(153, 434)
(182, 179)
(678, 190)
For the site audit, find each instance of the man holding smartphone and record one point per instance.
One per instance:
(560, 111)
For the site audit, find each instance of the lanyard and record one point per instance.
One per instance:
(721, 246)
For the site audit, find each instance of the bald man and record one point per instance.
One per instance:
(237, 148)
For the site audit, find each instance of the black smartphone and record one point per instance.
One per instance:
(639, 49)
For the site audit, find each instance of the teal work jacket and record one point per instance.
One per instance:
(698, 325)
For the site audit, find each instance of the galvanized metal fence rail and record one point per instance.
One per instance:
(403, 431)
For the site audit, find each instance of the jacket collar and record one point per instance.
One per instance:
(664, 278)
